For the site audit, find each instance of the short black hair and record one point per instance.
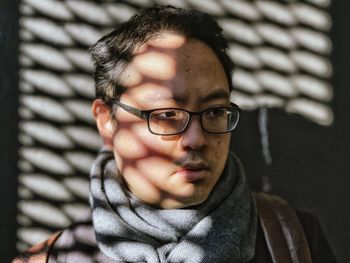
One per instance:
(112, 53)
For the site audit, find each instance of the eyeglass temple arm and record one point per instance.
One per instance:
(132, 110)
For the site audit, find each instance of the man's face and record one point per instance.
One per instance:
(178, 170)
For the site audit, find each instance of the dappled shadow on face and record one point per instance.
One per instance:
(157, 77)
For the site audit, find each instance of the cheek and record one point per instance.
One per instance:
(221, 144)
(219, 149)
(128, 145)
(157, 145)
(134, 143)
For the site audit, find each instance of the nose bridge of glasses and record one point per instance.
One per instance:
(193, 114)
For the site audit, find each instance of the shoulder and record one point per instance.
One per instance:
(283, 230)
(78, 239)
(319, 247)
(39, 252)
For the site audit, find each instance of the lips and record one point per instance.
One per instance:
(194, 166)
(193, 171)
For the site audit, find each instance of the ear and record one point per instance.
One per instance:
(105, 124)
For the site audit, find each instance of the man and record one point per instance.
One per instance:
(165, 187)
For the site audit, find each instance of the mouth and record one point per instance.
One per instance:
(193, 172)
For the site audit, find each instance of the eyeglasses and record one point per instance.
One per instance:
(172, 121)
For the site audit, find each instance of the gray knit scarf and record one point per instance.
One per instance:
(221, 229)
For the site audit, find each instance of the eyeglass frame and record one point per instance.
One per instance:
(144, 114)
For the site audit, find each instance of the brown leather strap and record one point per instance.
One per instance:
(284, 234)
(39, 253)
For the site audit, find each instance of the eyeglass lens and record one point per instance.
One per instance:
(172, 121)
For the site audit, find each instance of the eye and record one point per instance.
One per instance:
(165, 115)
(215, 112)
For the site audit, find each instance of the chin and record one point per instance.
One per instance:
(182, 202)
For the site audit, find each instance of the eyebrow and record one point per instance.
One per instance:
(158, 97)
(219, 94)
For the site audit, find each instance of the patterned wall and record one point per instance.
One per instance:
(281, 50)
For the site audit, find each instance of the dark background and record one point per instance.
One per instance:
(310, 163)
(8, 127)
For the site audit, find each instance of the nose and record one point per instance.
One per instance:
(193, 138)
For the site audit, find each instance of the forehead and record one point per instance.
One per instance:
(176, 66)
